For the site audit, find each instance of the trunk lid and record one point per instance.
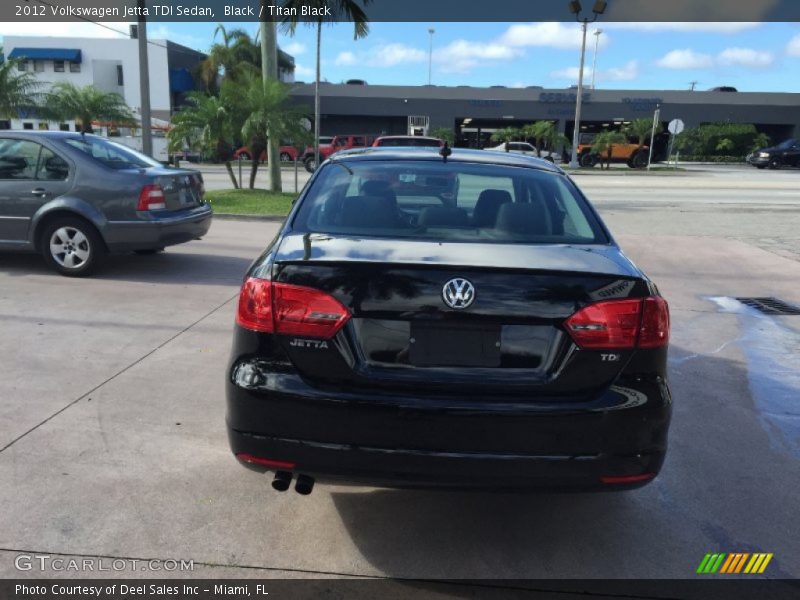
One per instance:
(183, 188)
(403, 335)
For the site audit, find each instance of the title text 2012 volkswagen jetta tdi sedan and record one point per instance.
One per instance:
(461, 321)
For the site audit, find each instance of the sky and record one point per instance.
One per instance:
(646, 56)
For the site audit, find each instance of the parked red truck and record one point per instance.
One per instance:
(339, 142)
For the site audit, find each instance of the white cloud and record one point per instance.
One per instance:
(700, 27)
(462, 55)
(793, 47)
(395, 54)
(303, 71)
(626, 72)
(294, 48)
(730, 57)
(552, 35)
(345, 59)
(744, 57)
(685, 59)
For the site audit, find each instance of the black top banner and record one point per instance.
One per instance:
(402, 11)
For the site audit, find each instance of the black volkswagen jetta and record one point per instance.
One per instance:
(462, 321)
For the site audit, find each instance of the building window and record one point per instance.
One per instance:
(64, 127)
(22, 65)
(5, 124)
(58, 66)
(120, 78)
(27, 125)
(74, 67)
(38, 66)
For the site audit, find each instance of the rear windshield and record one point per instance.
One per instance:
(452, 201)
(410, 141)
(110, 154)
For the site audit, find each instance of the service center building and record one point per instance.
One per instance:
(475, 113)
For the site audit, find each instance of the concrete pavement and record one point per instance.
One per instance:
(113, 440)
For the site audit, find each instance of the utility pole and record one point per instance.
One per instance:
(269, 72)
(575, 8)
(144, 81)
(596, 34)
(693, 84)
(431, 31)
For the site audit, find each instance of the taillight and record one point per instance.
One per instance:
(289, 309)
(151, 198)
(655, 323)
(620, 324)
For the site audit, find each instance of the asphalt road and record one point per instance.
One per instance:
(112, 439)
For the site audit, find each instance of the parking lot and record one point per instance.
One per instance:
(112, 436)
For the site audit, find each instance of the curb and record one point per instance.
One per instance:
(268, 218)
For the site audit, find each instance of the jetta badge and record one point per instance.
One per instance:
(458, 293)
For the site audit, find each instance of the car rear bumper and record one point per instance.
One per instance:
(406, 442)
(758, 161)
(158, 232)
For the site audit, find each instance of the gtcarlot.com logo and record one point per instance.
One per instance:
(45, 562)
(734, 563)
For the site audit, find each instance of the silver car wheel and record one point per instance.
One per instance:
(69, 247)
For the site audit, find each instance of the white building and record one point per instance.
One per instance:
(110, 64)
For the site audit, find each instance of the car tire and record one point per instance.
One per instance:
(638, 160)
(286, 157)
(72, 246)
(310, 164)
(587, 160)
(550, 159)
(148, 251)
(775, 163)
(244, 156)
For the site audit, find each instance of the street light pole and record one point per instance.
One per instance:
(596, 34)
(431, 31)
(144, 82)
(575, 8)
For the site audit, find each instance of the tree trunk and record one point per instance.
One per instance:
(229, 168)
(316, 94)
(257, 148)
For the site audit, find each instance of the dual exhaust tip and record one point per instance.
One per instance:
(283, 479)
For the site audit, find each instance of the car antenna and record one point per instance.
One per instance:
(445, 151)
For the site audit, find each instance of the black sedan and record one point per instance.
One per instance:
(75, 198)
(463, 320)
(785, 154)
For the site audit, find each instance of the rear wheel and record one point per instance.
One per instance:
(72, 246)
(775, 163)
(549, 159)
(244, 156)
(638, 160)
(310, 164)
(286, 157)
(588, 160)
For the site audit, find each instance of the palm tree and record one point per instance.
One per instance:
(605, 142)
(237, 56)
(338, 10)
(266, 111)
(543, 133)
(18, 89)
(444, 133)
(506, 134)
(86, 104)
(641, 129)
(205, 124)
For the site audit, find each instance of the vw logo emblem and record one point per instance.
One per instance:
(458, 293)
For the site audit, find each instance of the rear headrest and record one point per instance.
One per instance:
(488, 204)
(443, 216)
(377, 187)
(369, 211)
(531, 219)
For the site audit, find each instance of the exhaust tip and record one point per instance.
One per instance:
(282, 481)
(304, 485)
